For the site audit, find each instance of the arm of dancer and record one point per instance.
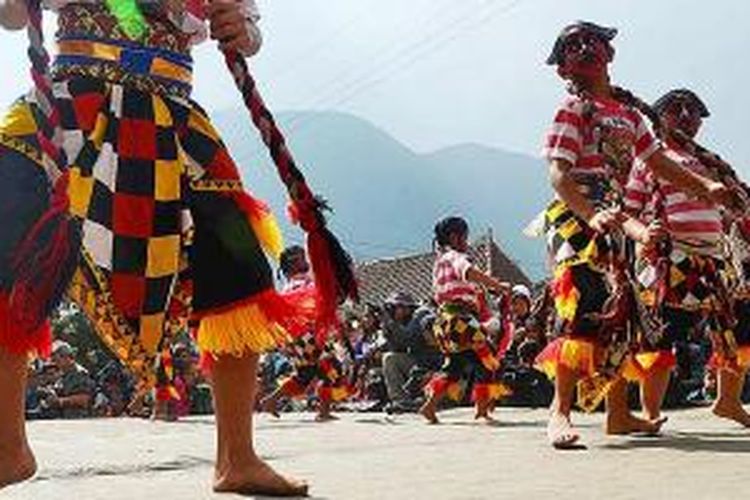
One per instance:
(602, 220)
(13, 15)
(568, 190)
(474, 275)
(688, 181)
(234, 25)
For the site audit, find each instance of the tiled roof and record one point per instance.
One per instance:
(413, 273)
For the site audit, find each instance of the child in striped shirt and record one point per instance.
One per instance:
(459, 329)
(688, 288)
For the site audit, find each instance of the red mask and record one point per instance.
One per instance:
(584, 54)
(682, 115)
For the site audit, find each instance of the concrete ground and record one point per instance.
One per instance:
(365, 456)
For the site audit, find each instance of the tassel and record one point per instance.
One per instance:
(44, 262)
(263, 223)
(332, 266)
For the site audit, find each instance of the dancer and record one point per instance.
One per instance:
(110, 154)
(458, 329)
(732, 358)
(591, 148)
(311, 362)
(686, 281)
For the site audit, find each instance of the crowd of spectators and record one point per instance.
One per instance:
(83, 385)
(387, 350)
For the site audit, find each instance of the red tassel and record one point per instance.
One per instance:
(206, 363)
(507, 326)
(16, 340)
(481, 392)
(44, 262)
(325, 282)
(251, 207)
(438, 386)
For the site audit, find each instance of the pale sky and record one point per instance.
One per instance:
(440, 72)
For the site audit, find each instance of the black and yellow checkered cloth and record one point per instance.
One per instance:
(457, 329)
(691, 283)
(570, 241)
(143, 169)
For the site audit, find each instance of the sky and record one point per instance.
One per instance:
(435, 73)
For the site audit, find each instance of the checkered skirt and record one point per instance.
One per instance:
(691, 281)
(457, 329)
(570, 241)
(147, 173)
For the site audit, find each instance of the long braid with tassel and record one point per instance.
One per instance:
(332, 266)
(45, 260)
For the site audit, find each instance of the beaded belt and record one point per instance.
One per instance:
(149, 69)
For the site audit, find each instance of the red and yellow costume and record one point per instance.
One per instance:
(601, 139)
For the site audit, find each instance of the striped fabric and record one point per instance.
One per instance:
(450, 283)
(579, 130)
(688, 219)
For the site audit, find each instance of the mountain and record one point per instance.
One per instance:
(386, 196)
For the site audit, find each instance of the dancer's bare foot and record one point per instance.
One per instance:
(257, 478)
(325, 417)
(620, 425)
(16, 467)
(429, 412)
(484, 410)
(268, 405)
(486, 418)
(561, 434)
(731, 410)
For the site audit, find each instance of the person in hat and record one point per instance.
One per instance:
(74, 390)
(596, 137)
(691, 285)
(312, 361)
(521, 302)
(399, 340)
(458, 287)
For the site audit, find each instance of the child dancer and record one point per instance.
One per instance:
(311, 362)
(458, 329)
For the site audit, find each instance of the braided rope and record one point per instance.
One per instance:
(332, 266)
(49, 133)
(44, 261)
(273, 138)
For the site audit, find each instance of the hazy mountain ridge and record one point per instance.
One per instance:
(388, 197)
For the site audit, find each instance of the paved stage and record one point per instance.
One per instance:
(371, 456)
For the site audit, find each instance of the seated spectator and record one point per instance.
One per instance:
(73, 392)
(367, 343)
(409, 352)
(424, 350)
(397, 362)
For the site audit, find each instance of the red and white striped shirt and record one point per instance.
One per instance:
(449, 280)
(577, 134)
(689, 220)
